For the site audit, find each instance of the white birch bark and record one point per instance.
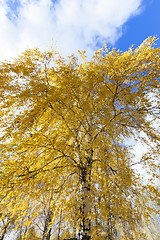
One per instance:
(86, 211)
(85, 176)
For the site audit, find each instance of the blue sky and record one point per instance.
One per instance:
(138, 28)
(74, 25)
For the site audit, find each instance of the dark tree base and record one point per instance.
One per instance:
(70, 239)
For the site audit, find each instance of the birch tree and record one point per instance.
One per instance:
(64, 125)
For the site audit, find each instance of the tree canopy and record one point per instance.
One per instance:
(64, 125)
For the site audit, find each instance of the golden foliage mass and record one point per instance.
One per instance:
(64, 123)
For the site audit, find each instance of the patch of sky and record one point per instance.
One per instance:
(55, 1)
(138, 28)
(13, 9)
(96, 41)
(53, 4)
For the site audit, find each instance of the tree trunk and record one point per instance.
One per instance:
(47, 228)
(4, 231)
(59, 228)
(85, 210)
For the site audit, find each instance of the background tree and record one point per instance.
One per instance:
(64, 125)
(6, 226)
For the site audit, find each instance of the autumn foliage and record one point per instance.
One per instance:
(64, 125)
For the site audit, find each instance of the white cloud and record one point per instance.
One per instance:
(72, 24)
